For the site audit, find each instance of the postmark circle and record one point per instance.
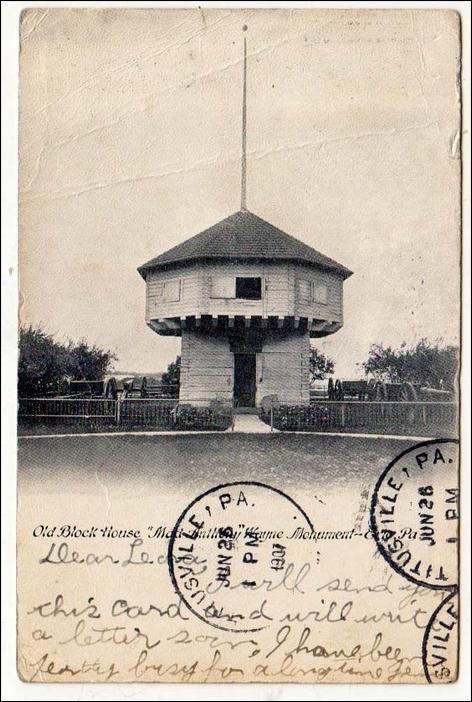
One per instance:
(441, 642)
(228, 550)
(414, 514)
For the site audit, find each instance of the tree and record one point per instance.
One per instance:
(172, 377)
(39, 363)
(82, 361)
(430, 364)
(44, 363)
(320, 365)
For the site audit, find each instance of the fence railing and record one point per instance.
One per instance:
(133, 412)
(409, 418)
(149, 413)
(66, 408)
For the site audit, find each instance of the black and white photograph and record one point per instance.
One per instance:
(239, 344)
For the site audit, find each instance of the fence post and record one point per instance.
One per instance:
(118, 411)
(343, 414)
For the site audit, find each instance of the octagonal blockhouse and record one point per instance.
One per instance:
(245, 297)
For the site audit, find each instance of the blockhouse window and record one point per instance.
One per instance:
(320, 294)
(249, 288)
(304, 290)
(172, 290)
(222, 287)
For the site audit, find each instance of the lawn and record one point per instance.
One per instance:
(196, 462)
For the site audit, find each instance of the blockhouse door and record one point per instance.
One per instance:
(244, 393)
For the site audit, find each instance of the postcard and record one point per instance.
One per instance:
(239, 345)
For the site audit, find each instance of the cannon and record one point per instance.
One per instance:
(347, 389)
(375, 391)
(86, 388)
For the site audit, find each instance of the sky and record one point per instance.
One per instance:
(130, 128)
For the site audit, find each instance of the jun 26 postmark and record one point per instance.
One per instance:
(230, 550)
(415, 514)
(415, 521)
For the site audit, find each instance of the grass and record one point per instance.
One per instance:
(167, 463)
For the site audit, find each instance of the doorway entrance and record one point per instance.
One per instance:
(244, 390)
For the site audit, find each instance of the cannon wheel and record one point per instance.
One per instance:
(144, 387)
(381, 392)
(371, 389)
(331, 389)
(363, 391)
(111, 389)
(408, 393)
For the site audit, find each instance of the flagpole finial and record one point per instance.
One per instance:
(244, 125)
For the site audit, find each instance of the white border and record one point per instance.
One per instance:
(12, 687)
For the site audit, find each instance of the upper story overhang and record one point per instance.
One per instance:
(217, 296)
(222, 325)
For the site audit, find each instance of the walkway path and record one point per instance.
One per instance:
(250, 424)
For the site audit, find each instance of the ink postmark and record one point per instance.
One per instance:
(229, 551)
(415, 513)
(441, 642)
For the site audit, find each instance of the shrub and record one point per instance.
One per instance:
(293, 417)
(216, 416)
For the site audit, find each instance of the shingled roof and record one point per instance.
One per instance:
(243, 236)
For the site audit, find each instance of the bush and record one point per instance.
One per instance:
(297, 417)
(215, 417)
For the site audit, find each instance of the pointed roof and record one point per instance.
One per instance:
(243, 236)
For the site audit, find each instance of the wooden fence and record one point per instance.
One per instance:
(67, 408)
(408, 418)
(94, 414)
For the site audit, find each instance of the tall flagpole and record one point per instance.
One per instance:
(243, 138)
